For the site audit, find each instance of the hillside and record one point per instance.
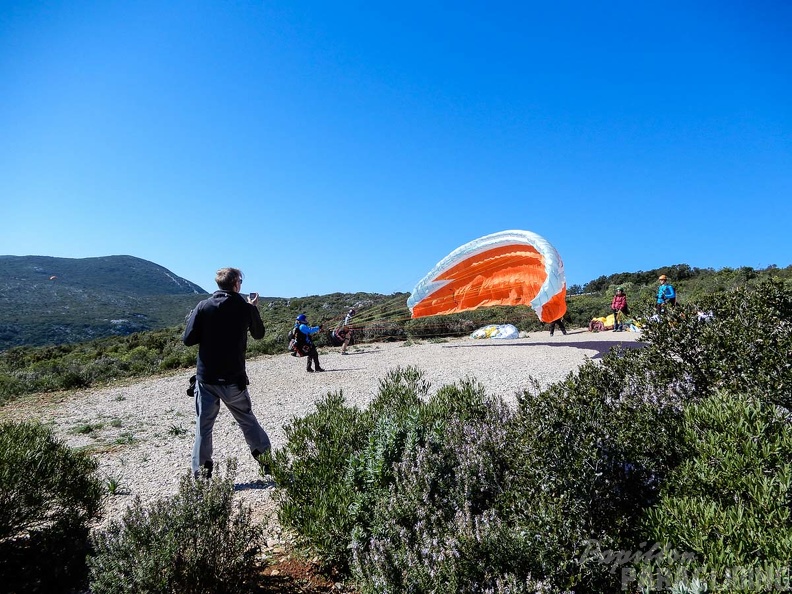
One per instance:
(57, 301)
(46, 300)
(120, 351)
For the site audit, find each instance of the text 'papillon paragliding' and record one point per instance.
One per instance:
(505, 268)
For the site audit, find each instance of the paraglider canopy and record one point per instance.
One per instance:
(53, 277)
(506, 268)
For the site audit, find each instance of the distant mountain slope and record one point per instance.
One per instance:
(124, 274)
(46, 300)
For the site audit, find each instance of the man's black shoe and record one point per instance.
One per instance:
(205, 471)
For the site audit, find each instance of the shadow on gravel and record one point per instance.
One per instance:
(339, 369)
(361, 352)
(602, 347)
(259, 484)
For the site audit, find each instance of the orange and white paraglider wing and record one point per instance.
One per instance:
(505, 268)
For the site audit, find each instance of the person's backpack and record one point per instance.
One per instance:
(298, 345)
(338, 337)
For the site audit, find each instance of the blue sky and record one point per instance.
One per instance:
(349, 146)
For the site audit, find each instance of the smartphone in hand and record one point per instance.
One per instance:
(252, 296)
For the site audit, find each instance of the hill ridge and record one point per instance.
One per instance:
(51, 300)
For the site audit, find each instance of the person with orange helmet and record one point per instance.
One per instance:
(665, 294)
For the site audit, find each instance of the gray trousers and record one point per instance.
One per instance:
(207, 406)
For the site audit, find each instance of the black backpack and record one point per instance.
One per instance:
(298, 345)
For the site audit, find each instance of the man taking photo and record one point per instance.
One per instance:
(219, 326)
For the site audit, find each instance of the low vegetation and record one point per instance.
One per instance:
(49, 495)
(458, 493)
(197, 541)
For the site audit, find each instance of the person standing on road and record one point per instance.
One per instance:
(302, 332)
(619, 309)
(560, 323)
(219, 326)
(665, 294)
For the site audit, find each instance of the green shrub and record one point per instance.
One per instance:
(730, 502)
(142, 359)
(314, 470)
(455, 489)
(430, 327)
(742, 345)
(10, 386)
(383, 331)
(313, 496)
(196, 542)
(49, 494)
(590, 454)
(434, 484)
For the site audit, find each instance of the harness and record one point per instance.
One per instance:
(298, 342)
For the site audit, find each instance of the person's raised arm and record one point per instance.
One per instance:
(256, 325)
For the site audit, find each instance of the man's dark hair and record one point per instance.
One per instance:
(226, 278)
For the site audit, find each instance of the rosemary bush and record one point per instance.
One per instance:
(313, 497)
(196, 542)
(49, 494)
(729, 504)
(457, 493)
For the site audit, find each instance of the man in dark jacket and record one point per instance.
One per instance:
(219, 325)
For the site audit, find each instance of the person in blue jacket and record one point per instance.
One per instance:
(302, 332)
(665, 294)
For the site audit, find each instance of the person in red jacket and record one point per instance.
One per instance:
(619, 309)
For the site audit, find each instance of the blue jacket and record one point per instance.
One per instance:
(665, 293)
(307, 331)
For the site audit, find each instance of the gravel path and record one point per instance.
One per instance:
(142, 432)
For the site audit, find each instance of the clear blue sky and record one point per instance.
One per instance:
(349, 146)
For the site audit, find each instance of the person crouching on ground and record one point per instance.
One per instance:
(219, 326)
(619, 309)
(303, 333)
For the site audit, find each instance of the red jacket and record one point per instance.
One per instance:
(619, 301)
